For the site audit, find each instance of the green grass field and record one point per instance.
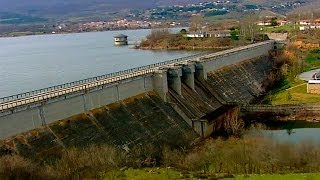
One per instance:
(152, 173)
(145, 174)
(295, 93)
(168, 173)
(313, 60)
(308, 176)
(283, 28)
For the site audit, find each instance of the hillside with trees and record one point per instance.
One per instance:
(57, 10)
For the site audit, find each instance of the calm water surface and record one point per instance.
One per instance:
(33, 62)
(291, 136)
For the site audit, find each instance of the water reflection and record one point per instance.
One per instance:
(288, 135)
(290, 131)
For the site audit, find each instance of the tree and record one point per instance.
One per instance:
(232, 124)
(274, 21)
(234, 35)
(248, 26)
(196, 23)
(183, 31)
(157, 34)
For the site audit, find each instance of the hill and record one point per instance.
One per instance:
(63, 6)
(22, 11)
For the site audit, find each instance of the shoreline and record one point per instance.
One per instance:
(7, 34)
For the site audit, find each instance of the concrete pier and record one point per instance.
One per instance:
(200, 71)
(188, 75)
(174, 79)
(160, 83)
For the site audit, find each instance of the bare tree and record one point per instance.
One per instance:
(232, 123)
(196, 23)
(157, 34)
(248, 26)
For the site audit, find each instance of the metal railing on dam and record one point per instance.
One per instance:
(37, 96)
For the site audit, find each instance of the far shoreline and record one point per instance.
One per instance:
(74, 32)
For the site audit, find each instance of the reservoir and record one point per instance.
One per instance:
(33, 62)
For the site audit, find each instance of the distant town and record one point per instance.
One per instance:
(136, 24)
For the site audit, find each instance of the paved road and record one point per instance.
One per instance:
(306, 76)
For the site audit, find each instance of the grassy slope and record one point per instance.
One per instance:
(313, 61)
(295, 91)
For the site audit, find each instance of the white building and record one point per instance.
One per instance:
(194, 35)
(314, 26)
(264, 23)
(216, 34)
(305, 22)
(219, 33)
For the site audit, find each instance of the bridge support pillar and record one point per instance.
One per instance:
(174, 79)
(160, 83)
(188, 75)
(201, 71)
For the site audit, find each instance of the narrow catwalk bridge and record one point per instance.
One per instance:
(25, 111)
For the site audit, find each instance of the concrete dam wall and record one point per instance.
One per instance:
(143, 119)
(139, 120)
(175, 104)
(242, 82)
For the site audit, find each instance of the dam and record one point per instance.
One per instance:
(172, 102)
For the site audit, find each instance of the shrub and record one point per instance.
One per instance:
(172, 157)
(89, 161)
(246, 155)
(317, 50)
(143, 156)
(17, 167)
(158, 34)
